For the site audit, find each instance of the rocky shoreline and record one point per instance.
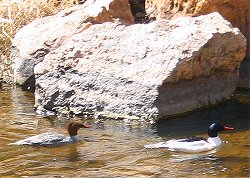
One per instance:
(108, 61)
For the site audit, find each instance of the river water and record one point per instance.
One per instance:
(115, 148)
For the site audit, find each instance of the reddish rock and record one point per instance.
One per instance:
(235, 11)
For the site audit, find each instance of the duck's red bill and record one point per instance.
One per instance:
(86, 126)
(228, 128)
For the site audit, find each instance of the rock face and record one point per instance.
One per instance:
(156, 69)
(37, 39)
(235, 11)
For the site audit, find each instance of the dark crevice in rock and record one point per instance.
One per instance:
(139, 11)
(2, 81)
(244, 74)
(51, 103)
(40, 53)
(70, 93)
(29, 84)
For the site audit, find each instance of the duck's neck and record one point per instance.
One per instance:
(75, 138)
(72, 132)
(214, 141)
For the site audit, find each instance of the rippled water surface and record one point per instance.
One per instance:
(115, 148)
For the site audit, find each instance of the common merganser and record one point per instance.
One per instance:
(195, 144)
(52, 139)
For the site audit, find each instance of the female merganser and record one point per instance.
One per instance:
(195, 144)
(52, 139)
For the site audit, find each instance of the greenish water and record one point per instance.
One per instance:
(115, 148)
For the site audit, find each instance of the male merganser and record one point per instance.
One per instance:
(195, 144)
(52, 139)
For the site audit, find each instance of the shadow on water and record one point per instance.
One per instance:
(232, 113)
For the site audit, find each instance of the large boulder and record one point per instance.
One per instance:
(38, 38)
(156, 69)
(235, 11)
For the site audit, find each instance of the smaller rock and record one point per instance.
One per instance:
(35, 40)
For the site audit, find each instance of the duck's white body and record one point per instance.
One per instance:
(50, 139)
(189, 146)
(195, 144)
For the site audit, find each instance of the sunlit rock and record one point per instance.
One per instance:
(38, 38)
(235, 11)
(156, 69)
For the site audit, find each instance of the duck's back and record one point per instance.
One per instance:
(189, 146)
(193, 145)
(44, 139)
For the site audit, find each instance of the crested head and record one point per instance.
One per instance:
(73, 127)
(217, 127)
